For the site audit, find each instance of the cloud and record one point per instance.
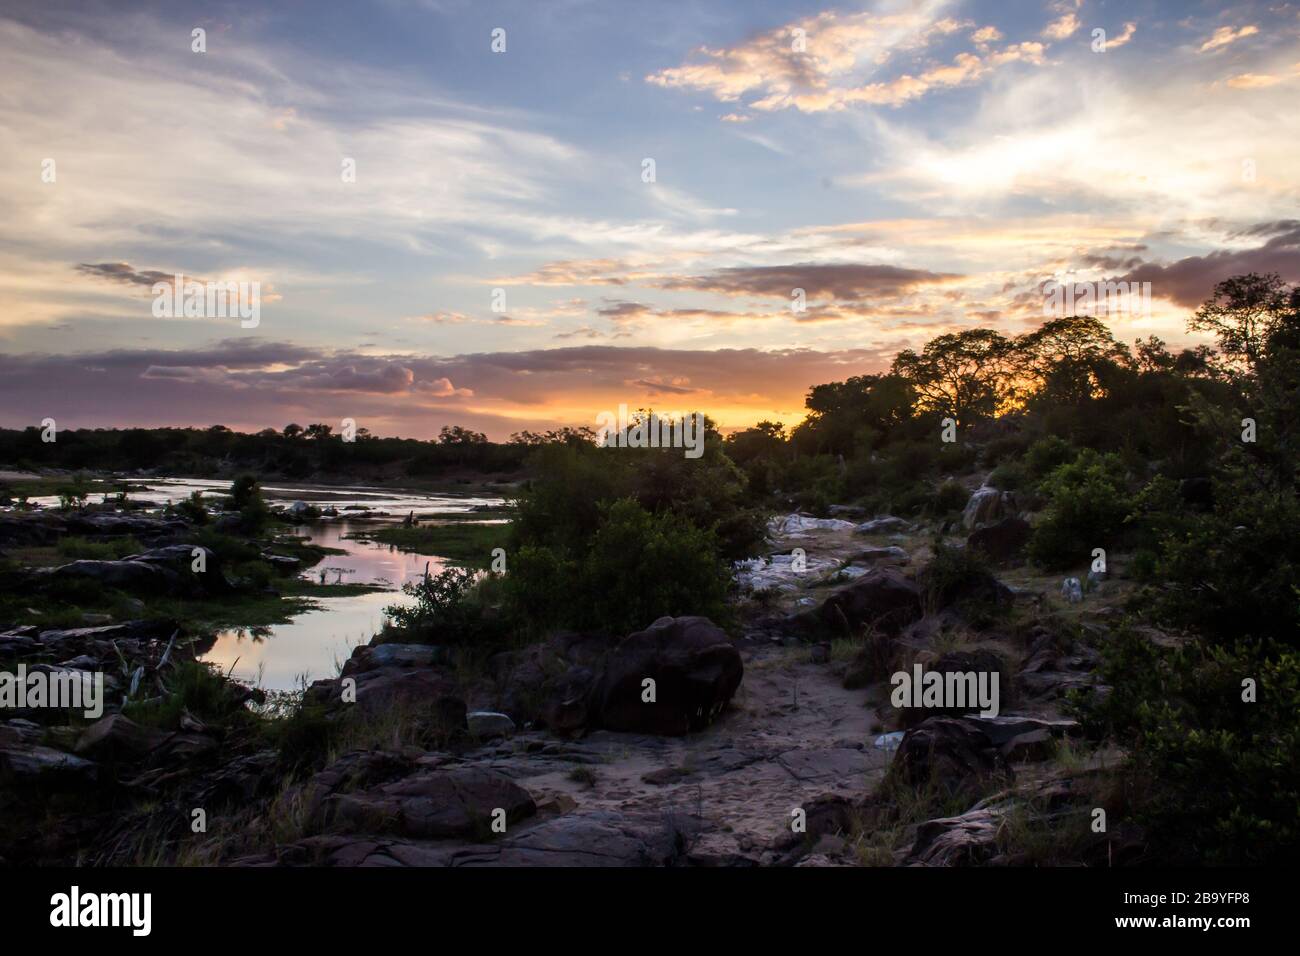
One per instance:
(1253, 81)
(825, 62)
(126, 273)
(1226, 35)
(839, 281)
(1191, 280)
(1062, 28)
(1130, 31)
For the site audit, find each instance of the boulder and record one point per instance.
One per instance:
(113, 525)
(117, 737)
(1001, 540)
(135, 576)
(885, 524)
(180, 559)
(26, 762)
(548, 684)
(370, 657)
(966, 840)
(1004, 728)
(486, 723)
(435, 804)
(986, 506)
(882, 598)
(892, 555)
(798, 524)
(948, 753)
(695, 669)
(423, 691)
(36, 528)
(587, 838)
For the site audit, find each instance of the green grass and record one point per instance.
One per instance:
(74, 548)
(461, 542)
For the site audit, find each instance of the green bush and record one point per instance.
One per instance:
(74, 548)
(446, 610)
(1216, 778)
(949, 497)
(640, 566)
(1087, 504)
(1046, 455)
(1010, 476)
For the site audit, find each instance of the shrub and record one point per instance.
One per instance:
(960, 578)
(949, 497)
(1088, 502)
(445, 611)
(1046, 455)
(116, 549)
(640, 566)
(1181, 713)
(1009, 476)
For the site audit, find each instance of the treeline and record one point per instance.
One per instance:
(294, 452)
(1186, 463)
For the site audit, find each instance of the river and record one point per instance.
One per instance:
(313, 645)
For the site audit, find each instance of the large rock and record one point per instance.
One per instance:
(112, 525)
(695, 670)
(117, 737)
(420, 692)
(1002, 540)
(33, 528)
(548, 684)
(986, 506)
(486, 724)
(434, 804)
(371, 657)
(181, 558)
(966, 840)
(797, 524)
(134, 576)
(883, 598)
(885, 524)
(587, 838)
(949, 754)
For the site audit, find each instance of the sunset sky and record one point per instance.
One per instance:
(920, 167)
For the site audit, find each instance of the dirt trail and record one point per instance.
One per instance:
(792, 734)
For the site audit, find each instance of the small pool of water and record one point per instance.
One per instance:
(315, 644)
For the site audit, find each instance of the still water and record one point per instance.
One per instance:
(313, 645)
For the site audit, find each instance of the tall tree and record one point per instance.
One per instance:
(967, 375)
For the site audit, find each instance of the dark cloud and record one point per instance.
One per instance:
(619, 311)
(126, 273)
(663, 388)
(1191, 281)
(840, 281)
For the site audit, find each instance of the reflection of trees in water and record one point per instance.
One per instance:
(255, 634)
(337, 572)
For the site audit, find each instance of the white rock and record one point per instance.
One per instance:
(487, 723)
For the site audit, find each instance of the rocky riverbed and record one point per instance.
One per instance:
(774, 744)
